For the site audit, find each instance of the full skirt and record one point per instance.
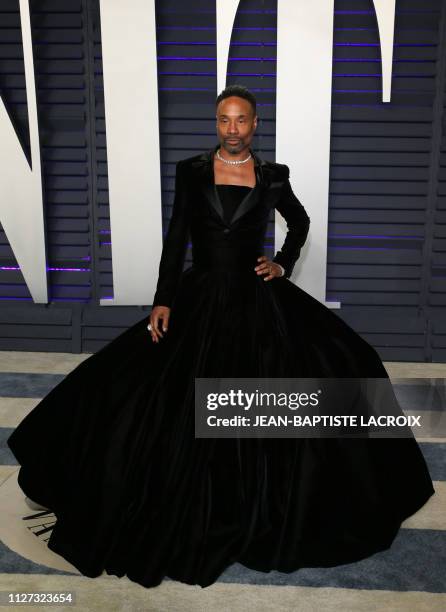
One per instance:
(111, 450)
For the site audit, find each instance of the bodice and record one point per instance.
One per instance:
(230, 197)
(232, 256)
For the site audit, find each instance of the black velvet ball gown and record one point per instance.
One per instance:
(111, 449)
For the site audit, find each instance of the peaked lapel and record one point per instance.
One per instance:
(205, 165)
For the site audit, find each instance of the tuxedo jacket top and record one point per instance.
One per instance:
(198, 214)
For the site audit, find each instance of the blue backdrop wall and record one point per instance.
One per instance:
(387, 204)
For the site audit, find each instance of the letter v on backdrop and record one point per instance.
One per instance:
(304, 30)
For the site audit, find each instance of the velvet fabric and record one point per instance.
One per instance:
(230, 197)
(112, 451)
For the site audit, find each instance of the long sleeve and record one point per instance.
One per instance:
(175, 244)
(298, 224)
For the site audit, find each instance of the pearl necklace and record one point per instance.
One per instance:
(235, 162)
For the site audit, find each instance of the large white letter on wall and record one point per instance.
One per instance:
(385, 16)
(303, 118)
(133, 154)
(226, 11)
(21, 198)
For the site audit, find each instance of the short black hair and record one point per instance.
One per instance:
(238, 90)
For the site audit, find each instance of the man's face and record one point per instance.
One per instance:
(236, 124)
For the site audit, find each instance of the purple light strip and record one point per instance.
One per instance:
(273, 74)
(185, 89)
(69, 269)
(364, 248)
(213, 59)
(257, 74)
(371, 12)
(53, 299)
(212, 43)
(378, 74)
(395, 61)
(348, 44)
(379, 236)
(186, 28)
(167, 72)
(378, 91)
(390, 105)
(270, 89)
(50, 269)
(212, 28)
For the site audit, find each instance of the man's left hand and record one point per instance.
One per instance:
(271, 268)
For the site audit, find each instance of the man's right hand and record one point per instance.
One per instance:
(158, 314)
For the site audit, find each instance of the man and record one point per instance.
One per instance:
(234, 163)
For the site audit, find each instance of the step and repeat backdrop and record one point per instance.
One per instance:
(386, 201)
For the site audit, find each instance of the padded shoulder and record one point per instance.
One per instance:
(189, 161)
(281, 171)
